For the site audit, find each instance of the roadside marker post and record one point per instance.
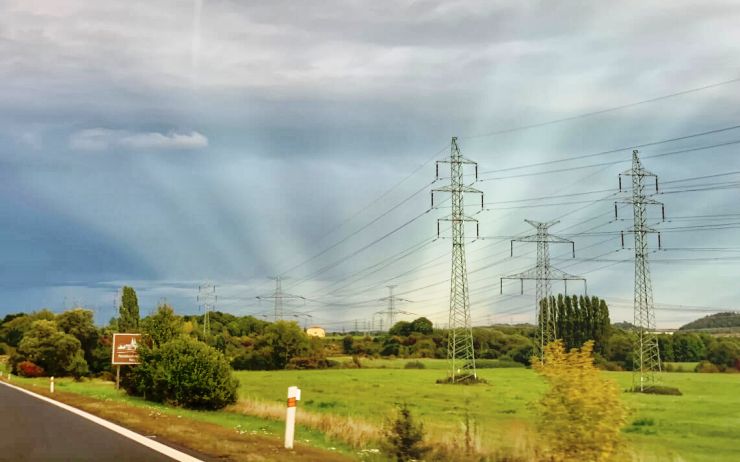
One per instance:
(51, 384)
(294, 395)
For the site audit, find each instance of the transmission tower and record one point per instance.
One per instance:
(460, 351)
(646, 343)
(278, 296)
(544, 273)
(391, 312)
(207, 299)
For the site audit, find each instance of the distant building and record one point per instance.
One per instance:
(316, 331)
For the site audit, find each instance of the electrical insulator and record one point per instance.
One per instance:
(622, 234)
(662, 207)
(620, 183)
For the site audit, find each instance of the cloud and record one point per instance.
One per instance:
(101, 139)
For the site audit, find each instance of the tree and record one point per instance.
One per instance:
(404, 437)
(724, 352)
(578, 319)
(580, 415)
(688, 348)
(162, 326)
(79, 323)
(47, 346)
(129, 311)
(15, 326)
(422, 326)
(401, 328)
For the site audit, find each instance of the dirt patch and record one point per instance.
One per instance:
(218, 442)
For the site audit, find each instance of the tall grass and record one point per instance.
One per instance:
(355, 432)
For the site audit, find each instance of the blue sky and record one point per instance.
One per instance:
(164, 144)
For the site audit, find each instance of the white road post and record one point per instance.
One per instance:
(51, 384)
(294, 395)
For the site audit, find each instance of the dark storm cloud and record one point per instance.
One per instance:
(181, 141)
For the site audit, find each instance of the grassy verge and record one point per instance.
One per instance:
(228, 435)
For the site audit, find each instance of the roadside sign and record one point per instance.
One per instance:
(125, 349)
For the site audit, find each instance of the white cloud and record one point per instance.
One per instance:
(101, 139)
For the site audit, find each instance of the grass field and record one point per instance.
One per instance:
(701, 425)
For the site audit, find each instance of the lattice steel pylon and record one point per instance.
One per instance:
(392, 312)
(544, 273)
(207, 299)
(645, 341)
(460, 352)
(278, 296)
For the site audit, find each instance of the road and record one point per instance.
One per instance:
(34, 430)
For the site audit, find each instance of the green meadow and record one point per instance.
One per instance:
(701, 425)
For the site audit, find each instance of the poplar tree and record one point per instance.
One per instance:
(128, 311)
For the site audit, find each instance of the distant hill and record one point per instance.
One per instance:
(624, 325)
(714, 321)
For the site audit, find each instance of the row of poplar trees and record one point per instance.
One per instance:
(579, 319)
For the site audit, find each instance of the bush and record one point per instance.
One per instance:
(580, 414)
(706, 366)
(414, 365)
(29, 369)
(657, 390)
(404, 437)
(183, 372)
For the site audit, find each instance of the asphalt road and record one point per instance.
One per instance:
(33, 430)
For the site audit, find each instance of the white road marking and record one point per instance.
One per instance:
(143, 440)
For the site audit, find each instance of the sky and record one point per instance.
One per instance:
(167, 144)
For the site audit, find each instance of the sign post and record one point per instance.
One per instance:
(294, 395)
(124, 351)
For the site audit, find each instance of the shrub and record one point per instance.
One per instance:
(29, 369)
(581, 414)
(414, 365)
(404, 437)
(706, 366)
(657, 390)
(183, 372)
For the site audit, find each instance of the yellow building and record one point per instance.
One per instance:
(316, 331)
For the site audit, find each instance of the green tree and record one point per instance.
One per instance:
(162, 326)
(401, 328)
(15, 326)
(47, 346)
(128, 320)
(725, 352)
(688, 348)
(79, 323)
(404, 437)
(422, 326)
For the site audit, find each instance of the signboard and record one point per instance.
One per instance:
(125, 349)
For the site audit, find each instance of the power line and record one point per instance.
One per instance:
(604, 111)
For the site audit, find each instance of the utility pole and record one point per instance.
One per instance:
(207, 299)
(392, 312)
(460, 352)
(278, 296)
(543, 273)
(646, 343)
